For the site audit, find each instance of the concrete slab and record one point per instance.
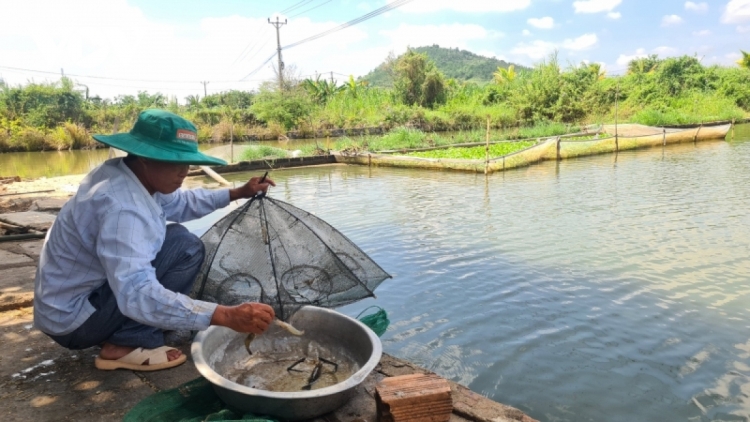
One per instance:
(17, 287)
(8, 259)
(48, 204)
(31, 248)
(34, 219)
(41, 381)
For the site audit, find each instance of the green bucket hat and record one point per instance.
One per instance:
(163, 136)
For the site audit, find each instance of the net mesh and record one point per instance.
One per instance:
(272, 252)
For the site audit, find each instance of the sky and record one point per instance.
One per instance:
(191, 47)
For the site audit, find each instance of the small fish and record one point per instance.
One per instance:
(250, 337)
(314, 376)
(288, 327)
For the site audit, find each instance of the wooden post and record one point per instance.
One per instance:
(487, 149)
(617, 96)
(733, 129)
(664, 136)
(558, 149)
(695, 138)
(231, 142)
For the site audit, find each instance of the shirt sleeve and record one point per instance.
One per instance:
(189, 204)
(124, 249)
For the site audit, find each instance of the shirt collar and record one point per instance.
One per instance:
(140, 188)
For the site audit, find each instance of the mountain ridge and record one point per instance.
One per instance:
(462, 65)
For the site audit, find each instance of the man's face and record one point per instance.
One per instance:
(164, 177)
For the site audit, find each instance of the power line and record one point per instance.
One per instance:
(295, 6)
(376, 12)
(257, 39)
(258, 68)
(105, 77)
(312, 8)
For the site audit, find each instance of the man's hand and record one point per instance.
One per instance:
(245, 318)
(251, 188)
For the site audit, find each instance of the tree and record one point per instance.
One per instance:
(503, 76)
(744, 62)
(418, 81)
(644, 64)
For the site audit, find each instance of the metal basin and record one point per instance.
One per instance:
(335, 331)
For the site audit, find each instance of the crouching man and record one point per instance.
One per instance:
(113, 273)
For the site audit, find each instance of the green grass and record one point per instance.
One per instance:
(689, 109)
(474, 153)
(261, 152)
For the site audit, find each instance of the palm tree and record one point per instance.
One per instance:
(745, 60)
(596, 69)
(644, 65)
(503, 76)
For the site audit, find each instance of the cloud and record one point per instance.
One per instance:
(526, 33)
(449, 35)
(614, 15)
(141, 53)
(624, 59)
(540, 49)
(737, 11)
(465, 6)
(696, 7)
(665, 51)
(535, 50)
(702, 33)
(670, 20)
(583, 42)
(542, 23)
(595, 6)
(742, 29)
(733, 56)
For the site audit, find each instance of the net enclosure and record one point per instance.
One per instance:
(272, 252)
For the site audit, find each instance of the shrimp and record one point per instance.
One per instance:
(250, 337)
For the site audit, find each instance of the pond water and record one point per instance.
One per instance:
(62, 163)
(606, 288)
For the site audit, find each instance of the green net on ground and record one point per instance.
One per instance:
(378, 321)
(196, 401)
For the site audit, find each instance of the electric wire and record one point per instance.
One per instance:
(295, 6)
(312, 8)
(376, 12)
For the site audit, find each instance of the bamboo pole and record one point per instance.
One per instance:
(487, 149)
(214, 175)
(617, 96)
(231, 142)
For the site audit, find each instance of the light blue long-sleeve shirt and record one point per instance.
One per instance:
(110, 231)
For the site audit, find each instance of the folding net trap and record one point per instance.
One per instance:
(272, 252)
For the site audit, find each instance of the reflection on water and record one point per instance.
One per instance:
(612, 287)
(29, 165)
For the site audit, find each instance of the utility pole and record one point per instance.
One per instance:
(205, 92)
(331, 78)
(277, 24)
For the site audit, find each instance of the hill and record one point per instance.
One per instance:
(458, 64)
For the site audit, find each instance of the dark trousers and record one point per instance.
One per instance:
(176, 264)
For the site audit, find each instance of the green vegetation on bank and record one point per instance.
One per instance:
(474, 153)
(547, 100)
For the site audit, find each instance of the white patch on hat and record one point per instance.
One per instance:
(187, 135)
